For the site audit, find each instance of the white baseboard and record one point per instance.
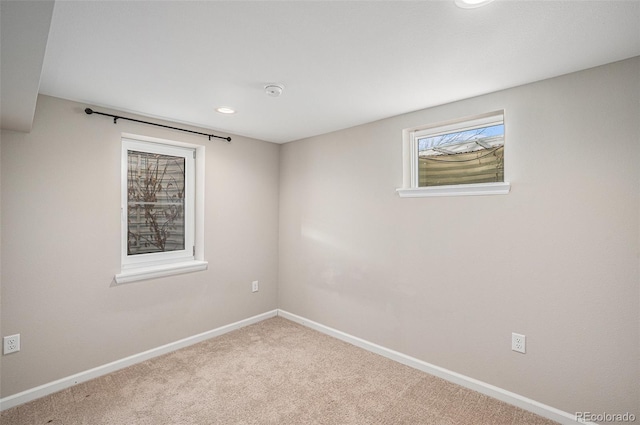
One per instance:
(61, 384)
(457, 378)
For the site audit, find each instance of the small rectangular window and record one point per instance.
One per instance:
(472, 152)
(463, 157)
(159, 208)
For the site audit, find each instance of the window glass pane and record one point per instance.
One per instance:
(462, 141)
(155, 203)
(462, 157)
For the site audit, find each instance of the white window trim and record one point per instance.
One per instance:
(410, 188)
(151, 272)
(132, 271)
(500, 188)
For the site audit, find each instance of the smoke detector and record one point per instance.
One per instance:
(273, 90)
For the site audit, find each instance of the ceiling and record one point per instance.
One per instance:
(342, 63)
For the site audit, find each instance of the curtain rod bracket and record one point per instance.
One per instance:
(90, 111)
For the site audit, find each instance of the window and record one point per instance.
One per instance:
(456, 158)
(159, 208)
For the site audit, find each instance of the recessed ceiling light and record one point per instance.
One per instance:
(470, 4)
(225, 110)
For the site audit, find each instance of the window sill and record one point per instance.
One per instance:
(151, 272)
(501, 188)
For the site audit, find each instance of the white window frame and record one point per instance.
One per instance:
(159, 264)
(410, 136)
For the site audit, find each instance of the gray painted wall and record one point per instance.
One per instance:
(61, 246)
(446, 280)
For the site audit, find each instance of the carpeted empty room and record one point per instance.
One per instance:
(319, 212)
(272, 372)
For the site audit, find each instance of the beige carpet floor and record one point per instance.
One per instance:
(272, 372)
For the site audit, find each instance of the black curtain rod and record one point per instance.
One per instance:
(90, 111)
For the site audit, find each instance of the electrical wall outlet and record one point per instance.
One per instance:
(519, 343)
(254, 286)
(11, 343)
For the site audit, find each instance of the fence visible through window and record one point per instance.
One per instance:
(155, 203)
(470, 155)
